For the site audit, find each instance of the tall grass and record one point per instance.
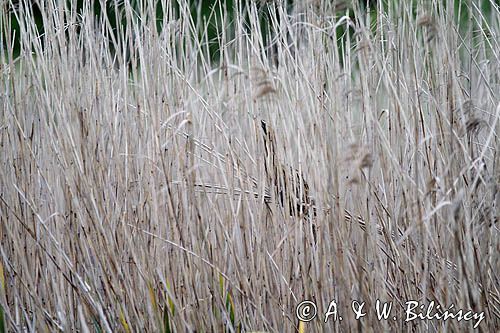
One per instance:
(133, 187)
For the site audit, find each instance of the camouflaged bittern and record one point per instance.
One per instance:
(288, 187)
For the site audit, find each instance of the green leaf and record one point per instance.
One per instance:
(97, 327)
(166, 321)
(3, 329)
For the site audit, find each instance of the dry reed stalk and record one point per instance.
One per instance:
(136, 177)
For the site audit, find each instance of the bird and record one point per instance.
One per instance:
(287, 185)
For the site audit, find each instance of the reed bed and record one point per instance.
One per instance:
(141, 191)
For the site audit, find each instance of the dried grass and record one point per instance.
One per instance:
(135, 189)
